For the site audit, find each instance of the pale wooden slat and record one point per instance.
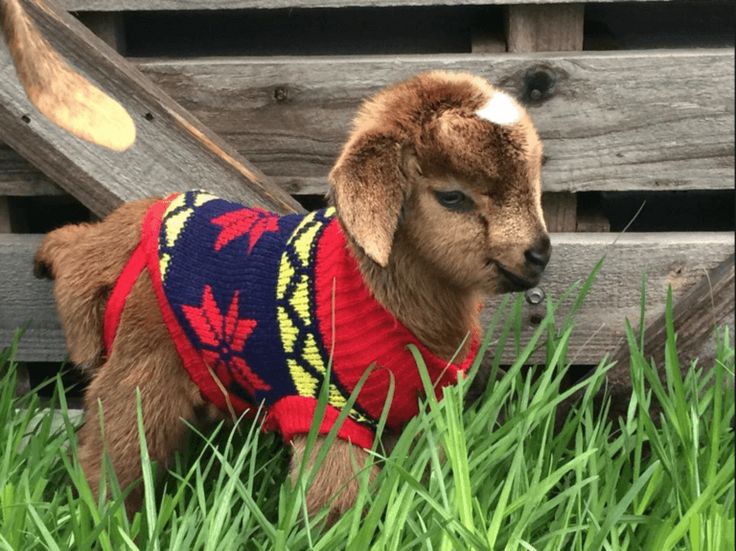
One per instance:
(678, 259)
(544, 28)
(560, 211)
(610, 124)
(173, 150)
(180, 5)
(548, 28)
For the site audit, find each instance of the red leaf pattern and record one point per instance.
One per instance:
(223, 336)
(253, 221)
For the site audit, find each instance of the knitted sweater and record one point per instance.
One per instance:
(257, 303)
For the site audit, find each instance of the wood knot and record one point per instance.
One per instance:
(539, 84)
(280, 94)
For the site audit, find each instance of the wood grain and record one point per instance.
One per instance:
(695, 316)
(592, 220)
(655, 120)
(547, 28)
(173, 150)
(19, 177)
(544, 28)
(141, 5)
(602, 127)
(4, 215)
(560, 211)
(678, 259)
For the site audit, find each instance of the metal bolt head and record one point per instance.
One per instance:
(535, 295)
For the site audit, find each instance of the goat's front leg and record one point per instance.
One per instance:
(337, 481)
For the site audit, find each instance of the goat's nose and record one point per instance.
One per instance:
(538, 254)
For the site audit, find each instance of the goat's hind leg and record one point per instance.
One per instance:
(143, 358)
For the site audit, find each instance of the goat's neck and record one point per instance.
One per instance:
(437, 313)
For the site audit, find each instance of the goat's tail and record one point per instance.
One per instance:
(54, 247)
(79, 291)
(67, 98)
(85, 261)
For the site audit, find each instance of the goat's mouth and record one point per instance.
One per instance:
(515, 281)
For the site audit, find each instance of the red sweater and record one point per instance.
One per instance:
(256, 303)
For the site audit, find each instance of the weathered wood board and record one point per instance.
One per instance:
(677, 259)
(544, 28)
(140, 5)
(613, 121)
(602, 127)
(173, 150)
(696, 314)
(19, 177)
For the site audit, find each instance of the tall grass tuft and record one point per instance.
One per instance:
(499, 474)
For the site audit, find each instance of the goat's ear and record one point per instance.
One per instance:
(371, 180)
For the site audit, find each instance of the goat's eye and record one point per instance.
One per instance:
(454, 200)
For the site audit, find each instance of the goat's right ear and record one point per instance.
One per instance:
(370, 184)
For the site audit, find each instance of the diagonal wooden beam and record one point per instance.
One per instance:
(695, 316)
(172, 151)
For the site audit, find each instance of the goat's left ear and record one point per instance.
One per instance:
(370, 182)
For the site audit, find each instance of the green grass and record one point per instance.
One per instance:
(496, 475)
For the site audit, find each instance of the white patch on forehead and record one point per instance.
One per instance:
(500, 109)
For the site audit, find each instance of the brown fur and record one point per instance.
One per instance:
(428, 265)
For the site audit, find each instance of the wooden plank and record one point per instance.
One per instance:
(173, 149)
(180, 5)
(22, 385)
(676, 259)
(20, 178)
(560, 211)
(592, 221)
(602, 128)
(544, 28)
(670, 259)
(484, 40)
(547, 28)
(19, 291)
(4, 215)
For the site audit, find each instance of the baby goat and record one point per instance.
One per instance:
(211, 309)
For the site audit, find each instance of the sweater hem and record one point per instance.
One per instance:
(294, 415)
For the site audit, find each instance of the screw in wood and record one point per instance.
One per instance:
(535, 295)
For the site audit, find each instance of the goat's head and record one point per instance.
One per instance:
(452, 165)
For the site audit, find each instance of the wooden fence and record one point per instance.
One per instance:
(624, 114)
